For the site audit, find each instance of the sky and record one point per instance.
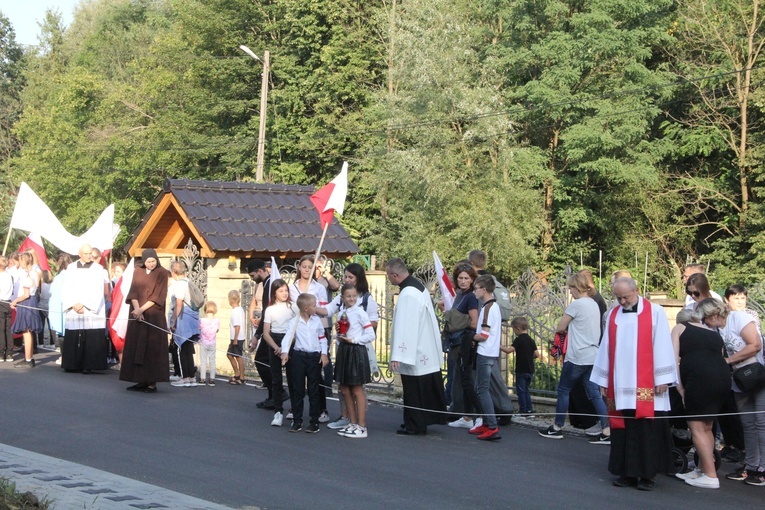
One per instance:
(24, 15)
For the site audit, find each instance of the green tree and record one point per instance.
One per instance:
(439, 171)
(12, 62)
(11, 84)
(586, 80)
(716, 132)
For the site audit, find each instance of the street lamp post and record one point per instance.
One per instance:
(263, 103)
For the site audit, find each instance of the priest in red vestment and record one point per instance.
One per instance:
(634, 367)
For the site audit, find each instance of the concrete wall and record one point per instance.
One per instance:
(221, 280)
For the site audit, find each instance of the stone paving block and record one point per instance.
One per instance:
(94, 489)
(121, 498)
(99, 491)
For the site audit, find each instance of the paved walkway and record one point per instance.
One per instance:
(67, 485)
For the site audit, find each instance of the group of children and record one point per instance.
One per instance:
(297, 336)
(209, 326)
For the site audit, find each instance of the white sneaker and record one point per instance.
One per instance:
(175, 378)
(179, 383)
(690, 475)
(704, 482)
(462, 423)
(324, 417)
(277, 421)
(347, 429)
(357, 432)
(289, 415)
(476, 424)
(595, 430)
(341, 423)
(190, 383)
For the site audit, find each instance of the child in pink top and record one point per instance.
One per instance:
(208, 332)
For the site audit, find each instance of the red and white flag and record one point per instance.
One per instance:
(444, 283)
(35, 242)
(331, 197)
(119, 315)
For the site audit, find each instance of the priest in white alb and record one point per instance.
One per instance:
(83, 301)
(416, 352)
(634, 368)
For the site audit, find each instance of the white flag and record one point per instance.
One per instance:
(444, 283)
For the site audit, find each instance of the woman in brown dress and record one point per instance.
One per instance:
(144, 358)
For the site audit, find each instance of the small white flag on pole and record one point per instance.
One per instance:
(444, 283)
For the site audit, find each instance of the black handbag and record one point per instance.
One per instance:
(750, 377)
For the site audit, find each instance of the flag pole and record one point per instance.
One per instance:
(7, 238)
(313, 272)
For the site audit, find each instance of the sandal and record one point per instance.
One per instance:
(235, 381)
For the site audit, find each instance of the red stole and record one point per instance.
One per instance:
(644, 407)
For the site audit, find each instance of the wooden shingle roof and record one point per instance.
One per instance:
(237, 218)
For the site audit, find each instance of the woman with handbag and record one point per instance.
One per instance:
(743, 342)
(459, 328)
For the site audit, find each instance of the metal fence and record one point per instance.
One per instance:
(538, 297)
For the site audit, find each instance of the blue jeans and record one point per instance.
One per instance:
(522, 383)
(570, 374)
(483, 368)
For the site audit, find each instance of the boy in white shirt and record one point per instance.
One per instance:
(307, 357)
(487, 336)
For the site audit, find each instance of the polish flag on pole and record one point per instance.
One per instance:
(119, 315)
(444, 283)
(331, 197)
(35, 242)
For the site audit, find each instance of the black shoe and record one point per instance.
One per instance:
(626, 481)
(645, 484)
(601, 439)
(137, 387)
(266, 404)
(150, 389)
(296, 426)
(22, 363)
(731, 454)
(407, 432)
(551, 433)
(313, 428)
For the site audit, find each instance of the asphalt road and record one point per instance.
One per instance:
(212, 443)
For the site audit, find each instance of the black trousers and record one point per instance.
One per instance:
(186, 358)
(465, 367)
(6, 337)
(305, 370)
(176, 359)
(277, 388)
(263, 366)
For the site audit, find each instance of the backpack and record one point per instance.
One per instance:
(502, 296)
(196, 297)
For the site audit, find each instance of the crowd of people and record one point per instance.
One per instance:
(635, 371)
(649, 376)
